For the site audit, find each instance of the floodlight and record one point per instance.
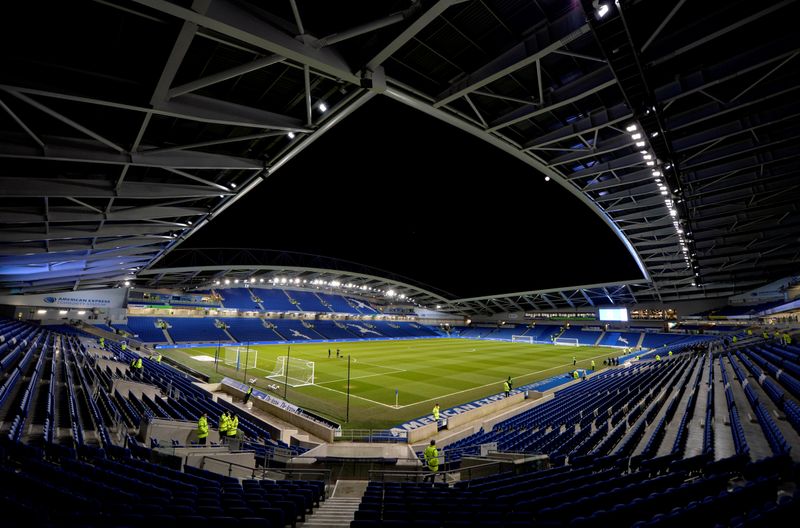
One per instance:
(40, 312)
(631, 128)
(673, 212)
(636, 136)
(547, 178)
(233, 185)
(227, 281)
(127, 283)
(640, 143)
(236, 281)
(647, 156)
(261, 280)
(62, 312)
(654, 134)
(291, 135)
(602, 11)
(438, 306)
(322, 107)
(189, 222)
(664, 193)
(651, 163)
(656, 173)
(81, 312)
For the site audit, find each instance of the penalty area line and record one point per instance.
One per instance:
(497, 383)
(355, 396)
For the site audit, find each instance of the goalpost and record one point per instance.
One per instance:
(297, 373)
(240, 357)
(522, 339)
(566, 341)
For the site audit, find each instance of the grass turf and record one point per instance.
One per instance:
(450, 371)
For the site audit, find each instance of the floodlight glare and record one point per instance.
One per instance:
(81, 312)
(636, 136)
(322, 107)
(547, 178)
(602, 11)
(236, 281)
(227, 281)
(651, 163)
(640, 143)
(631, 128)
(291, 135)
(233, 185)
(127, 283)
(62, 312)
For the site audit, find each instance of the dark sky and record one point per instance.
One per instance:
(393, 188)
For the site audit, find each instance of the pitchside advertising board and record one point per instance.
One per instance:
(109, 298)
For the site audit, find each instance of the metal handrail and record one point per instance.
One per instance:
(326, 473)
(415, 474)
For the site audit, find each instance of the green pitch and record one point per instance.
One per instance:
(450, 371)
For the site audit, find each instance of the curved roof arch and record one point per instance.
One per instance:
(124, 158)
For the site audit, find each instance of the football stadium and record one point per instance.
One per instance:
(430, 263)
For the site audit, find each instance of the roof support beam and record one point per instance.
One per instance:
(520, 56)
(225, 75)
(407, 34)
(230, 20)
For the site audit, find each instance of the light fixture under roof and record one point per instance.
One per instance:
(291, 135)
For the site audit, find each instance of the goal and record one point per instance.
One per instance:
(522, 339)
(240, 357)
(567, 341)
(296, 372)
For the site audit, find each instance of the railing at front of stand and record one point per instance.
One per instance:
(372, 436)
(279, 473)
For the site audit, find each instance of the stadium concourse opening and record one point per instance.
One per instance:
(431, 263)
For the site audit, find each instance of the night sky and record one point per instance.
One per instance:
(392, 188)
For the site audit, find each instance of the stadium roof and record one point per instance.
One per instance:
(120, 139)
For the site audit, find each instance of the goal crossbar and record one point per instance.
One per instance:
(295, 372)
(566, 341)
(240, 357)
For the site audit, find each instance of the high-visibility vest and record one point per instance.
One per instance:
(506, 387)
(158, 358)
(124, 346)
(139, 363)
(432, 458)
(435, 412)
(658, 358)
(233, 425)
(223, 423)
(202, 427)
(575, 374)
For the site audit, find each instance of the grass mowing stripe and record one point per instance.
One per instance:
(451, 371)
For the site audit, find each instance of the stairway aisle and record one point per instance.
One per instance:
(338, 511)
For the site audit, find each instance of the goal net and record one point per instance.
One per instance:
(240, 357)
(522, 339)
(296, 372)
(567, 341)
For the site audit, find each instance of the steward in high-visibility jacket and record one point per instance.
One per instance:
(658, 358)
(139, 364)
(233, 424)
(124, 346)
(223, 424)
(575, 374)
(436, 412)
(432, 458)
(202, 429)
